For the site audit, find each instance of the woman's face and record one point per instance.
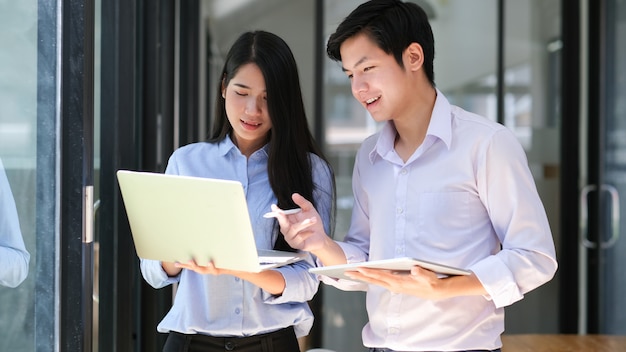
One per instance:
(246, 108)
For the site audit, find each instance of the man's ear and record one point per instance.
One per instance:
(413, 57)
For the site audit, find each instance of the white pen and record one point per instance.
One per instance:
(273, 214)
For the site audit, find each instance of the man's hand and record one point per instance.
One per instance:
(420, 282)
(304, 230)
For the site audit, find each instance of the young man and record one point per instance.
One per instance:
(436, 183)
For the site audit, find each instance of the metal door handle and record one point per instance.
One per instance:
(584, 216)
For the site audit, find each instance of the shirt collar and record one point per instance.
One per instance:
(440, 127)
(226, 145)
(441, 120)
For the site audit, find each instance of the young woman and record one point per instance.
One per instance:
(261, 139)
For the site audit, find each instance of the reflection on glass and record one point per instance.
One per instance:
(18, 121)
(14, 257)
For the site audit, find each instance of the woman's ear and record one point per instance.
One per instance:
(414, 56)
(224, 87)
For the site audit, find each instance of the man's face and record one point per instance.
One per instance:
(377, 80)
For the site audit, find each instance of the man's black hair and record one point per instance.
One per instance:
(393, 25)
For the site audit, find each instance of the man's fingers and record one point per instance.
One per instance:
(296, 227)
(302, 202)
(300, 230)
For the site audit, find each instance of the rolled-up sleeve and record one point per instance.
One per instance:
(300, 285)
(153, 273)
(527, 258)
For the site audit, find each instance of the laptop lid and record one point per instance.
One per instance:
(179, 218)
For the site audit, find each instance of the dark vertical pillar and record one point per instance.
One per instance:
(76, 174)
(320, 54)
(121, 93)
(158, 45)
(500, 64)
(570, 164)
(157, 67)
(315, 336)
(189, 96)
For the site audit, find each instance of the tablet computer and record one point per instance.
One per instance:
(179, 218)
(395, 264)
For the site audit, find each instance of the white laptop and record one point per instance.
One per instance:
(179, 218)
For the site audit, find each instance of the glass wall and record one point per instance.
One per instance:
(532, 76)
(18, 152)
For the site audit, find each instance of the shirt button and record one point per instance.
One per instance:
(403, 171)
(237, 310)
(236, 279)
(229, 346)
(399, 210)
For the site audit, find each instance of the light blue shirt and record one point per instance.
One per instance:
(225, 305)
(14, 258)
(465, 198)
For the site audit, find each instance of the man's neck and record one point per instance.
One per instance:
(411, 129)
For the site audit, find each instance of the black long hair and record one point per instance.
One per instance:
(393, 25)
(290, 140)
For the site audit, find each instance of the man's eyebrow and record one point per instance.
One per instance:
(361, 60)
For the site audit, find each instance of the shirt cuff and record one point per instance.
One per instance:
(353, 254)
(498, 281)
(154, 274)
(300, 285)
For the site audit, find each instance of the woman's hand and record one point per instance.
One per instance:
(202, 269)
(269, 280)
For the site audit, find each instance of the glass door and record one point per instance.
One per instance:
(613, 246)
(602, 248)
